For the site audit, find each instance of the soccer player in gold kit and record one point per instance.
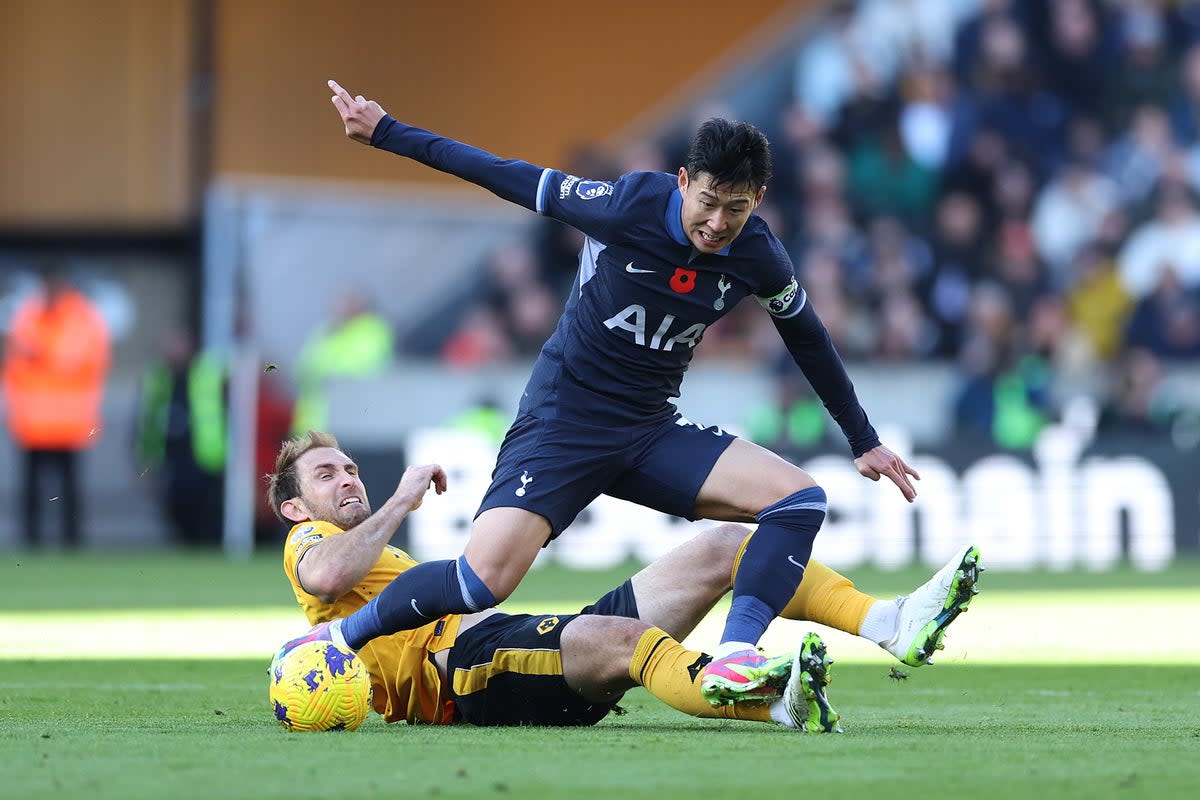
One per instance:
(493, 668)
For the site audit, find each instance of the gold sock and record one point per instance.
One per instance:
(823, 596)
(671, 672)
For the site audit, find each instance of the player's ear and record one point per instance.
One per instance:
(683, 179)
(295, 510)
(758, 198)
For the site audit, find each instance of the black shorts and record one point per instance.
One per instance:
(556, 467)
(507, 670)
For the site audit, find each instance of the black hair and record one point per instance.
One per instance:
(736, 154)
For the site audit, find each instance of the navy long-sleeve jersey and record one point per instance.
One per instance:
(643, 296)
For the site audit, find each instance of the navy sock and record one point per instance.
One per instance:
(417, 596)
(773, 564)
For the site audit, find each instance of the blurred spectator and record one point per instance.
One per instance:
(1166, 322)
(1011, 202)
(1183, 23)
(56, 361)
(1009, 98)
(479, 339)
(1062, 353)
(893, 261)
(1138, 157)
(1171, 239)
(865, 115)
(526, 307)
(885, 179)
(1022, 275)
(1184, 105)
(1079, 53)
(1146, 72)
(1097, 303)
(1068, 213)
(799, 137)
(968, 38)
(828, 62)
(355, 343)
(976, 155)
(484, 418)
(822, 276)
(1005, 396)
(958, 263)
(826, 224)
(1141, 401)
(927, 116)
(181, 436)
(1086, 140)
(905, 333)
(792, 419)
(911, 32)
(274, 409)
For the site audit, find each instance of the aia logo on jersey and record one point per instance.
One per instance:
(683, 281)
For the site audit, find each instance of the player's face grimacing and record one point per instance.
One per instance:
(330, 488)
(713, 216)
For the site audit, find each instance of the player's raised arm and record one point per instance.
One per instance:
(516, 181)
(333, 567)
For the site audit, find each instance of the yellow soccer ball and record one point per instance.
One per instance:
(318, 686)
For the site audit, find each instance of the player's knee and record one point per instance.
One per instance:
(499, 581)
(503, 544)
(787, 480)
(597, 651)
(799, 506)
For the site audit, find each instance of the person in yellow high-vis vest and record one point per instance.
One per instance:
(356, 344)
(182, 436)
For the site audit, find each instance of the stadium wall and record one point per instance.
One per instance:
(527, 79)
(125, 109)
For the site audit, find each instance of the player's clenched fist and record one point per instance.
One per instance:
(359, 115)
(416, 481)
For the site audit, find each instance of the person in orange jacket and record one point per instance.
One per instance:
(56, 359)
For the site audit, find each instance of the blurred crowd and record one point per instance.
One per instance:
(1009, 185)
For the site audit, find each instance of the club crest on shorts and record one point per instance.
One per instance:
(526, 479)
(547, 625)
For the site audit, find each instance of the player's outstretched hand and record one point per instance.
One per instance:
(415, 483)
(359, 115)
(882, 461)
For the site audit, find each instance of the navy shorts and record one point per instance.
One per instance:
(507, 670)
(556, 467)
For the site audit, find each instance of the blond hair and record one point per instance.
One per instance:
(283, 484)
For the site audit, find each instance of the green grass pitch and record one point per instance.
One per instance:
(1057, 686)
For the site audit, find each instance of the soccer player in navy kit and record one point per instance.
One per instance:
(665, 257)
